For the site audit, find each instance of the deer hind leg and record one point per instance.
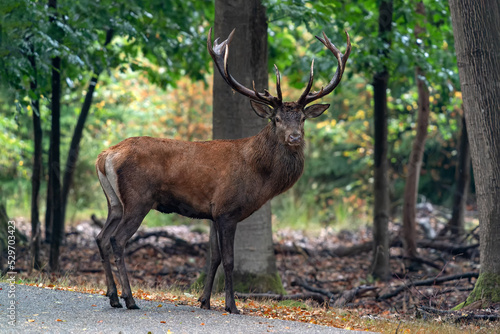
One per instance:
(115, 213)
(124, 231)
(215, 260)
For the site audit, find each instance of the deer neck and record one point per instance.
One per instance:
(280, 165)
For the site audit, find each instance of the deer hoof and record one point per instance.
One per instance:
(232, 310)
(133, 307)
(131, 304)
(116, 304)
(114, 301)
(204, 304)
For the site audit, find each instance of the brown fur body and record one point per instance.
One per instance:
(203, 179)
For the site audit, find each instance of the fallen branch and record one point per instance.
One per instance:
(310, 288)
(353, 250)
(419, 260)
(293, 249)
(396, 242)
(456, 316)
(446, 246)
(141, 246)
(90, 271)
(453, 290)
(349, 295)
(298, 296)
(158, 234)
(179, 244)
(431, 281)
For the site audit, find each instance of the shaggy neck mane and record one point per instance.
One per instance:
(279, 164)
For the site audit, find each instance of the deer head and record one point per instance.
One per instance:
(287, 117)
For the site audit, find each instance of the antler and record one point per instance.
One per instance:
(308, 97)
(220, 52)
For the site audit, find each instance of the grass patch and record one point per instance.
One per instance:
(306, 215)
(292, 303)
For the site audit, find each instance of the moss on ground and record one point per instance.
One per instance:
(486, 289)
(258, 283)
(245, 283)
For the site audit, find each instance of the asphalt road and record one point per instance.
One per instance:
(39, 310)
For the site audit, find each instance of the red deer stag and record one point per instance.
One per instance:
(221, 180)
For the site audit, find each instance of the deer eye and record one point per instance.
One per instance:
(278, 119)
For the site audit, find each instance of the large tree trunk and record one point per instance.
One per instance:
(54, 163)
(254, 259)
(476, 26)
(416, 155)
(74, 147)
(456, 225)
(37, 169)
(380, 265)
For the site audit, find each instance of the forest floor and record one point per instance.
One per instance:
(326, 276)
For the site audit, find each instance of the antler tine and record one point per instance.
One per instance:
(220, 54)
(307, 97)
(278, 83)
(309, 85)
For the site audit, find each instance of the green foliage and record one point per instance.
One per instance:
(340, 153)
(161, 39)
(163, 42)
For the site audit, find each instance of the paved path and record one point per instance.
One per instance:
(75, 309)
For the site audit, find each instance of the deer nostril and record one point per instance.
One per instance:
(295, 138)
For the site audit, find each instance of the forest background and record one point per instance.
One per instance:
(135, 69)
(136, 95)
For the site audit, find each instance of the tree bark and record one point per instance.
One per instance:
(48, 206)
(74, 148)
(4, 220)
(19, 237)
(476, 26)
(54, 163)
(254, 259)
(456, 225)
(416, 154)
(380, 264)
(37, 168)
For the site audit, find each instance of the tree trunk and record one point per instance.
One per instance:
(19, 238)
(48, 206)
(37, 169)
(74, 147)
(54, 163)
(254, 259)
(456, 225)
(476, 27)
(416, 155)
(4, 221)
(380, 265)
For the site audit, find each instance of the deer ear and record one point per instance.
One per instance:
(315, 110)
(261, 109)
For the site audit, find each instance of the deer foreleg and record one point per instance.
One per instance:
(215, 260)
(227, 230)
